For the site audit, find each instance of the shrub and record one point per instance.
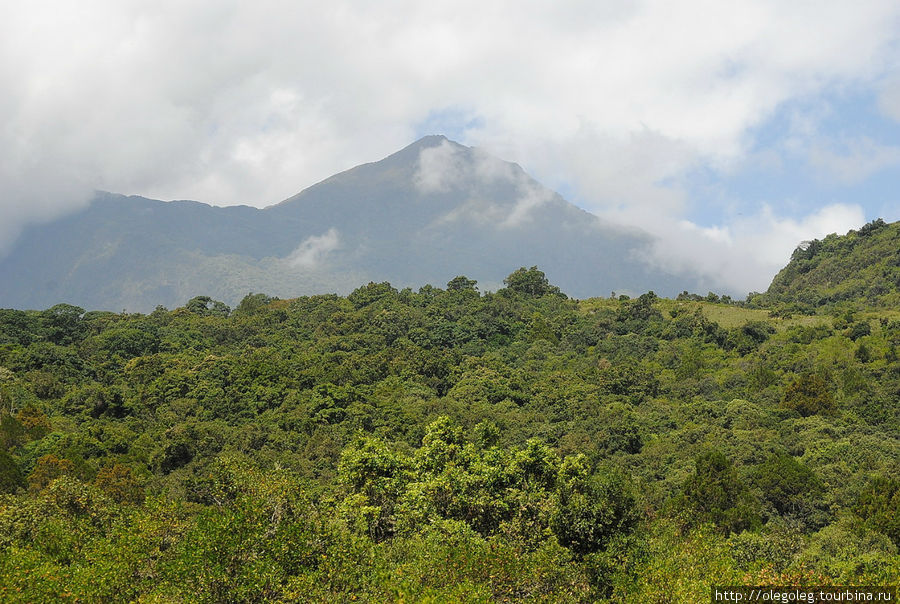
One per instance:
(715, 493)
(808, 395)
(879, 506)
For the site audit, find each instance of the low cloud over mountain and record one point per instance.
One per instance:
(425, 214)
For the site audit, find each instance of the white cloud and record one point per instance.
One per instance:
(232, 102)
(856, 160)
(889, 98)
(447, 166)
(440, 168)
(745, 254)
(313, 250)
(530, 196)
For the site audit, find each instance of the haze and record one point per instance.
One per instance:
(730, 131)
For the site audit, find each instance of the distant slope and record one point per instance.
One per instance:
(862, 266)
(134, 253)
(425, 214)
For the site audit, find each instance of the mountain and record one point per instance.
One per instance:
(862, 266)
(425, 214)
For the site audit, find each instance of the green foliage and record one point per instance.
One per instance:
(378, 476)
(774, 548)
(851, 554)
(11, 478)
(628, 378)
(530, 282)
(47, 469)
(445, 445)
(591, 510)
(119, 484)
(34, 422)
(253, 303)
(808, 395)
(371, 293)
(62, 324)
(127, 343)
(861, 266)
(670, 566)
(12, 432)
(879, 506)
(461, 283)
(526, 494)
(715, 494)
(791, 488)
(206, 306)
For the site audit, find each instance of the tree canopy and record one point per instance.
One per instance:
(446, 445)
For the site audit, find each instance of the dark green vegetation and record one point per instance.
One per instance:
(422, 215)
(860, 269)
(444, 445)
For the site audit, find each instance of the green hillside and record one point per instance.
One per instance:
(861, 268)
(443, 445)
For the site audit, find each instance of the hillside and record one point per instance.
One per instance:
(859, 268)
(444, 445)
(422, 215)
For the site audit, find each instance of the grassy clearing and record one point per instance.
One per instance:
(732, 316)
(725, 315)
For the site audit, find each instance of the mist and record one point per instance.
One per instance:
(619, 107)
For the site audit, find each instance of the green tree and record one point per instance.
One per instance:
(591, 510)
(715, 493)
(370, 469)
(47, 469)
(878, 504)
(12, 433)
(253, 303)
(128, 342)
(119, 484)
(371, 293)
(808, 395)
(34, 421)
(530, 282)
(63, 324)
(461, 283)
(790, 487)
(207, 307)
(11, 478)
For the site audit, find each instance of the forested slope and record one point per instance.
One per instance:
(445, 444)
(861, 268)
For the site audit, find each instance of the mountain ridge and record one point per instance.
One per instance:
(424, 214)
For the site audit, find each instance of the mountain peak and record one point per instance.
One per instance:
(412, 152)
(425, 214)
(431, 140)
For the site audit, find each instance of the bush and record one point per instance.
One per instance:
(808, 395)
(10, 476)
(590, 512)
(715, 493)
(879, 506)
(790, 487)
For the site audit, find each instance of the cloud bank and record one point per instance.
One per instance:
(615, 103)
(744, 255)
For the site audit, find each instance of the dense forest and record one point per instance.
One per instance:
(451, 445)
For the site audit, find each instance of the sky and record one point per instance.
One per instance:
(730, 131)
